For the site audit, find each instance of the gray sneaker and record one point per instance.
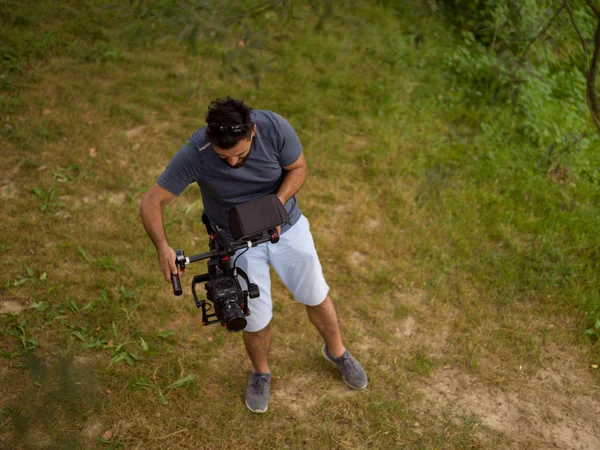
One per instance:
(257, 392)
(352, 372)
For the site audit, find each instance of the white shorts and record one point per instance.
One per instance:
(295, 260)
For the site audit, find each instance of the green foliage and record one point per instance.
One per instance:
(594, 332)
(523, 54)
(547, 95)
(500, 25)
(47, 196)
(182, 382)
(19, 332)
(481, 74)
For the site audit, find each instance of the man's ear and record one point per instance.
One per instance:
(253, 130)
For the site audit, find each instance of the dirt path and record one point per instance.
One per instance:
(555, 406)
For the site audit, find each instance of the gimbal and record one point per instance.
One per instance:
(252, 223)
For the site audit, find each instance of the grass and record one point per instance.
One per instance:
(447, 248)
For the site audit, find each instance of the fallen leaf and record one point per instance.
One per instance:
(182, 382)
(93, 152)
(108, 391)
(108, 434)
(447, 366)
(110, 343)
(42, 168)
(594, 366)
(46, 112)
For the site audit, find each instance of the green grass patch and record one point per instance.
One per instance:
(451, 243)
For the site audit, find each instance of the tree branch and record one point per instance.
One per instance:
(583, 45)
(592, 4)
(592, 95)
(542, 31)
(591, 67)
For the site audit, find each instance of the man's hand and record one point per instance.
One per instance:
(166, 260)
(151, 211)
(278, 228)
(293, 178)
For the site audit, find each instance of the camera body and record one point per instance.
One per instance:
(230, 301)
(251, 224)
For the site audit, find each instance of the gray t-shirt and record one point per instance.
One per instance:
(274, 146)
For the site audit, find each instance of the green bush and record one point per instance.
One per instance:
(525, 56)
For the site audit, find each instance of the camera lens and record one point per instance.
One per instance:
(234, 317)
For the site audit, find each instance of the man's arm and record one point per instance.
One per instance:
(293, 179)
(151, 211)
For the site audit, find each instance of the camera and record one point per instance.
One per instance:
(251, 223)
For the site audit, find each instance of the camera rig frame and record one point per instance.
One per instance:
(251, 223)
(220, 262)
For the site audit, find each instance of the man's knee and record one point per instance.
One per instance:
(319, 308)
(262, 333)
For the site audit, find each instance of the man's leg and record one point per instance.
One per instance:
(324, 318)
(257, 335)
(259, 379)
(296, 262)
(258, 345)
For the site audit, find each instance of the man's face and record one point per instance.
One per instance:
(236, 156)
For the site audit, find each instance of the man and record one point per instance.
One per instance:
(240, 155)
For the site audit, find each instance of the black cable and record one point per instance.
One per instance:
(236, 258)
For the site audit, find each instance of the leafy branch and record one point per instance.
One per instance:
(541, 32)
(591, 67)
(592, 72)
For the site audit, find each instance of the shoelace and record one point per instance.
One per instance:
(348, 362)
(260, 383)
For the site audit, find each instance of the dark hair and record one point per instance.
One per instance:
(228, 122)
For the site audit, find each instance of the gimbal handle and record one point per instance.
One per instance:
(180, 263)
(177, 289)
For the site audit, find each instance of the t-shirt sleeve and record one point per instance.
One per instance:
(180, 172)
(290, 147)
